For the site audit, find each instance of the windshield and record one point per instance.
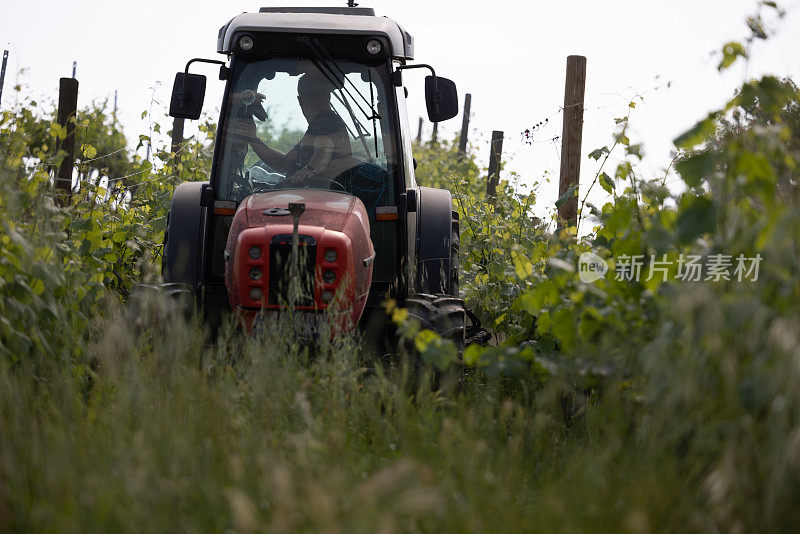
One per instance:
(308, 124)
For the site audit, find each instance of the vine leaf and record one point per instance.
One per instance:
(698, 133)
(696, 217)
(571, 192)
(694, 168)
(606, 183)
(730, 53)
(598, 153)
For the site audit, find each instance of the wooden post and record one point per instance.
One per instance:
(177, 139)
(3, 73)
(462, 139)
(419, 132)
(495, 155)
(435, 133)
(571, 135)
(67, 107)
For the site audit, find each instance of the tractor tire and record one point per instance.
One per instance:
(455, 244)
(164, 246)
(442, 314)
(182, 238)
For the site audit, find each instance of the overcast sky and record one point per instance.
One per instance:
(510, 55)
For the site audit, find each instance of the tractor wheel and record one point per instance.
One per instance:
(455, 243)
(164, 246)
(442, 314)
(446, 316)
(182, 237)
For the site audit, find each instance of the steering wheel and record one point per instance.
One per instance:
(312, 182)
(342, 188)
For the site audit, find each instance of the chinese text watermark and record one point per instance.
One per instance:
(686, 268)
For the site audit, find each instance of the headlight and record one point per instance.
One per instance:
(245, 43)
(374, 47)
(329, 277)
(331, 255)
(326, 296)
(255, 273)
(256, 294)
(254, 252)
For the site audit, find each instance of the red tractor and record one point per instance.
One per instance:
(312, 198)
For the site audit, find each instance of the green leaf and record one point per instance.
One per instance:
(756, 167)
(435, 350)
(756, 26)
(37, 287)
(657, 238)
(606, 183)
(588, 327)
(695, 168)
(698, 133)
(571, 192)
(58, 131)
(531, 302)
(620, 216)
(634, 150)
(145, 170)
(522, 265)
(543, 323)
(81, 224)
(730, 53)
(598, 153)
(88, 151)
(473, 354)
(696, 216)
(423, 338)
(543, 294)
(564, 327)
(654, 192)
(769, 94)
(624, 170)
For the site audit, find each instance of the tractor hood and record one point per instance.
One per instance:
(334, 231)
(326, 209)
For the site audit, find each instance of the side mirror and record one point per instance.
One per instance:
(441, 98)
(188, 93)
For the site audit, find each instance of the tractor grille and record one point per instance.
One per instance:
(280, 276)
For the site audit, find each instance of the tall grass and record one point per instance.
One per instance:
(255, 434)
(168, 432)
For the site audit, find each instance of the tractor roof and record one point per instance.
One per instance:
(328, 20)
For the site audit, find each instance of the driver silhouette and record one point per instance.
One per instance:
(324, 151)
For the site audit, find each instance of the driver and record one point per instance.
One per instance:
(324, 152)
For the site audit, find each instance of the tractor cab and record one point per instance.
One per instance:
(312, 152)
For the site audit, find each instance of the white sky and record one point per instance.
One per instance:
(510, 55)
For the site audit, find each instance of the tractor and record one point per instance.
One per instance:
(312, 199)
